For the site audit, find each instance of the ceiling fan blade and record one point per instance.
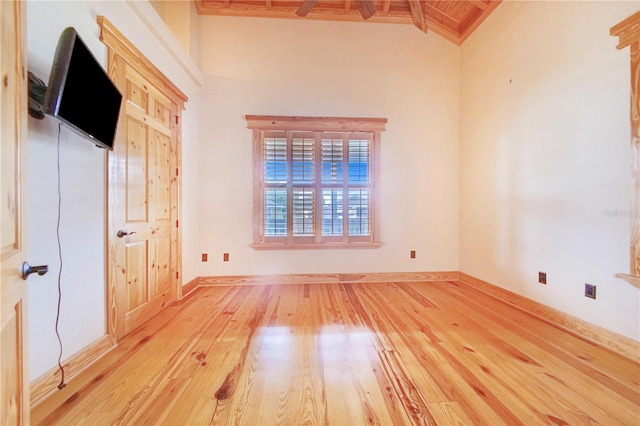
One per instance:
(306, 7)
(366, 8)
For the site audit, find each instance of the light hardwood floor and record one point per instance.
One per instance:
(350, 354)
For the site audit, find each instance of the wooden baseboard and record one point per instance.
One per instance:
(190, 287)
(327, 278)
(619, 344)
(47, 384)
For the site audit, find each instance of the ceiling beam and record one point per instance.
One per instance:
(347, 6)
(366, 8)
(385, 7)
(418, 16)
(306, 7)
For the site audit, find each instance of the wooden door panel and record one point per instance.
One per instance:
(10, 211)
(12, 371)
(136, 95)
(160, 182)
(136, 172)
(162, 265)
(136, 274)
(162, 111)
(10, 191)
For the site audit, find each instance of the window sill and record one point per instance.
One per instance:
(322, 246)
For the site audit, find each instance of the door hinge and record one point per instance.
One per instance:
(177, 119)
(177, 172)
(177, 275)
(176, 223)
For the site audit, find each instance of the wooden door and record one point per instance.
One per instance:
(144, 209)
(143, 194)
(14, 384)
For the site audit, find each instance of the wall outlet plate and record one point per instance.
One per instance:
(542, 277)
(205, 257)
(590, 291)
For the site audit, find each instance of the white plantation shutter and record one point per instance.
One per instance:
(359, 212)
(275, 212)
(359, 160)
(302, 163)
(315, 188)
(303, 211)
(332, 205)
(332, 160)
(275, 159)
(275, 174)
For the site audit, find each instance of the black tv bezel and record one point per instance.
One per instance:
(58, 80)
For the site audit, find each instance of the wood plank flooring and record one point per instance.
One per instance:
(350, 354)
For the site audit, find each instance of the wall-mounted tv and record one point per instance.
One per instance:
(80, 93)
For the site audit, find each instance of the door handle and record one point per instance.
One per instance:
(28, 270)
(123, 233)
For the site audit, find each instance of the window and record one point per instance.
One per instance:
(315, 182)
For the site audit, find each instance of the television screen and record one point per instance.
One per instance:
(80, 93)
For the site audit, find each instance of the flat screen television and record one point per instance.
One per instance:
(80, 93)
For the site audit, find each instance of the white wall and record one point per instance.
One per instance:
(288, 67)
(544, 157)
(83, 171)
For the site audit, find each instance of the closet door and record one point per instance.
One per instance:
(144, 188)
(144, 176)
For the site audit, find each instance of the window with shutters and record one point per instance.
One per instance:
(316, 182)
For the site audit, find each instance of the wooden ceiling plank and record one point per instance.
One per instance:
(418, 16)
(449, 8)
(437, 14)
(306, 7)
(366, 8)
(444, 19)
(385, 7)
(469, 27)
(479, 4)
(453, 10)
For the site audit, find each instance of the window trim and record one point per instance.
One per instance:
(260, 124)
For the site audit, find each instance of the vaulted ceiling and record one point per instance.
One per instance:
(453, 19)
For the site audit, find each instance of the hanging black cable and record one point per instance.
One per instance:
(62, 383)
